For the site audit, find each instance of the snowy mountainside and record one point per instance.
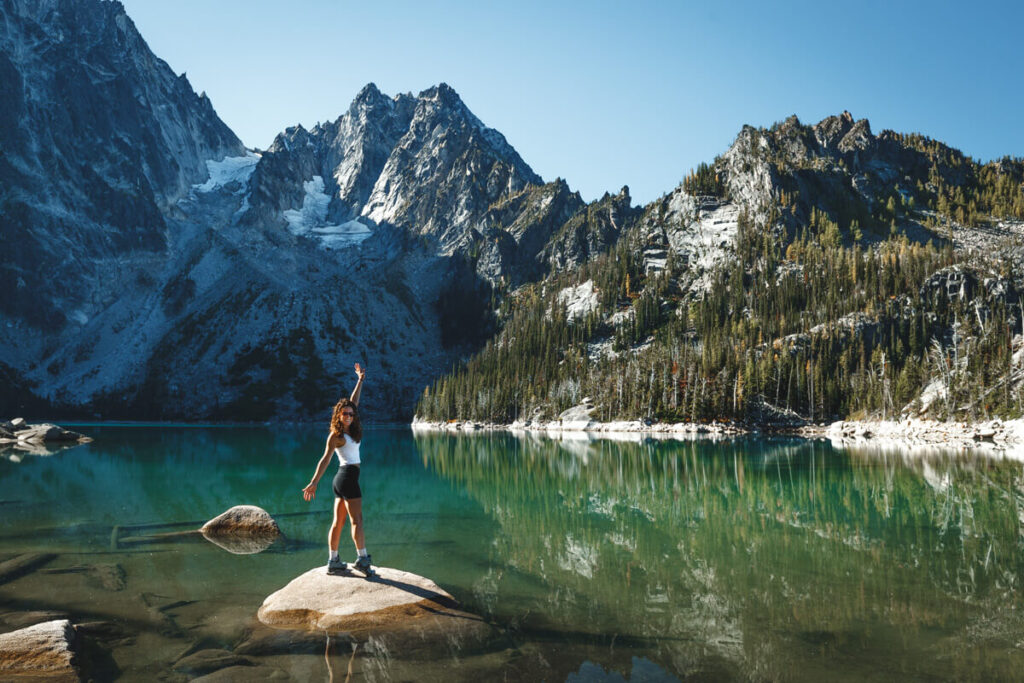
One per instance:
(154, 268)
(98, 138)
(200, 280)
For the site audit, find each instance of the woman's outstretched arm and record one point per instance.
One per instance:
(360, 373)
(309, 493)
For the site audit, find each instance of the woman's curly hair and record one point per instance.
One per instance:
(355, 430)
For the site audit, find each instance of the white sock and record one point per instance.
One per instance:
(334, 555)
(361, 552)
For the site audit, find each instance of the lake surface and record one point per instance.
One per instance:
(597, 560)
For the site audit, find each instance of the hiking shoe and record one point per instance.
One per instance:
(334, 566)
(363, 565)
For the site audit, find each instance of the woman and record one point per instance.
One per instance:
(343, 441)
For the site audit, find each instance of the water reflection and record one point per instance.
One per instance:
(598, 559)
(19, 451)
(766, 557)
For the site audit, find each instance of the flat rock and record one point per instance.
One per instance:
(242, 521)
(44, 650)
(411, 611)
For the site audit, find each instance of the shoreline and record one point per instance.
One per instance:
(988, 435)
(665, 430)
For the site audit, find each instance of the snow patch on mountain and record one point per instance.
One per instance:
(311, 220)
(229, 170)
(348, 234)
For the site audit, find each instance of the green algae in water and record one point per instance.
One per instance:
(765, 559)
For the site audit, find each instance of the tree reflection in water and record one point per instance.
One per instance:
(777, 558)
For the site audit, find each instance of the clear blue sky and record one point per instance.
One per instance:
(606, 94)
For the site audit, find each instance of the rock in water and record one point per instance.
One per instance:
(243, 520)
(47, 432)
(408, 611)
(40, 651)
(243, 530)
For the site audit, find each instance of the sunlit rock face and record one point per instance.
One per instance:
(97, 138)
(157, 269)
(201, 280)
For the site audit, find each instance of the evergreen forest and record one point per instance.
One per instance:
(827, 309)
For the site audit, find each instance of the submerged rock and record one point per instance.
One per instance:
(23, 564)
(243, 674)
(208, 661)
(23, 619)
(241, 521)
(406, 610)
(42, 651)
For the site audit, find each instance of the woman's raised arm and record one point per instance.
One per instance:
(360, 373)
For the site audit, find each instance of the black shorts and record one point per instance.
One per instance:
(346, 482)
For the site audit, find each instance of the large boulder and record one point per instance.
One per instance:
(406, 610)
(47, 432)
(243, 530)
(42, 651)
(242, 520)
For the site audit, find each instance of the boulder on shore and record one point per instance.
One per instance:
(243, 530)
(410, 611)
(42, 651)
(22, 432)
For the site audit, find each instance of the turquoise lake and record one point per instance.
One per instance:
(748, 559)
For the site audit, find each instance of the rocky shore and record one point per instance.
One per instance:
(1004, 436)
(666, 430)
(18, 438)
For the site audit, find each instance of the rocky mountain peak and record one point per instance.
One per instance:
(859, 137)
(442, 93)
(368, 93)
(830, 130)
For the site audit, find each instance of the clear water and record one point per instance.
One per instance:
(747, 559)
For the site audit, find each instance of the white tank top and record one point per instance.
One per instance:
(348, 452)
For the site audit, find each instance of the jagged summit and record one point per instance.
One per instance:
(408, 162)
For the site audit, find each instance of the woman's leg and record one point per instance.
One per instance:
(355, 512)
(334, 535)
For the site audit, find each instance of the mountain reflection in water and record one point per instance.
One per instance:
(596, 559)
(775, 558)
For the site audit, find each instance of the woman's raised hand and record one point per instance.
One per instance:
(360, 373)
(309, 493)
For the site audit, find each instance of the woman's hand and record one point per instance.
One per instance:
(309, 493)
(360, 373)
